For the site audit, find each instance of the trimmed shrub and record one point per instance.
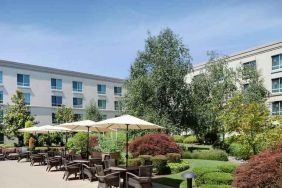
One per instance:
(227, 168)
(190, 139)
(187, 155)
(218, 155)
(153, 144)
(178, 138)
(263, 170)
(218, 178)
(173, 157)
(178, 167)
(134, 162)
(240, 151)
(200, 172)
(145, 157)
(160, 165)
(214, 186)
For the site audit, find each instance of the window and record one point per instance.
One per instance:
(1, 121)
(56, 84)
(104, 116)
(277, 108)
(78, 117)
(77, 86)
(101, 89)
(276, 85)
(247, 67)
(277, 62)
(26, 98)
(1, 77)
(77, 102)
(23, 80)
(1, 97)
(117, 105)
(54, 118)
(57, 100)
(102, 104)
(118, 91)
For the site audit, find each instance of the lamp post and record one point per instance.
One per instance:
(189, 177)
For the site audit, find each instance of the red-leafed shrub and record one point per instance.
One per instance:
(93, 141)
(262, 171)
(153, 144)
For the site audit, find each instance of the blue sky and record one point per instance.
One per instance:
(103, 37)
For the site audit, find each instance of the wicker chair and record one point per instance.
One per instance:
(36, 158)
(143, 180)
(96, 161)
(53, 162)
(70, 168)
(89, 172)
(107, 179)
(109, 163)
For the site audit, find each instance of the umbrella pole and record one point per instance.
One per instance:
(87, 150)
(126, 156)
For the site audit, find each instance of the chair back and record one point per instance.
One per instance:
(148, 162)
(99, 170)
(107, 157)
(146, 171)
(93, 162)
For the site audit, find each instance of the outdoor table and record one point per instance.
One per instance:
(80, 162)
(123, 170)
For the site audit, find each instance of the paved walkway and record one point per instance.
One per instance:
(22, 175)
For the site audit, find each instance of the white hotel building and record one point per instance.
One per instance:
(47, 88)
(267, 59)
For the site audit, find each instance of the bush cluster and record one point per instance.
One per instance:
(173, 157)
(240, 151)
(143, 158)
(263, 170)
(134, 162)
(153, 144)
(214, 186)
(160, 164)
(218, 155)
(178, 138)
(190, 139)
(218, 178)
(227, 168)
(178, 167)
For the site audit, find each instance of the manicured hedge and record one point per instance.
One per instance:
(173, 157)
(178, 167)
(200, 172)
(134, 162)
(178, 138)
(227, 168)
(218, 155)
(160, 165)
(214, 186)
(145, 157)
(190, 139)
(218, 178)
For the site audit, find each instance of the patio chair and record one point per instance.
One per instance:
(70, 168)
(109, 163)
(143, 180)
(93, 162)
(107, 179)
(2, 155)
(36, 158)
(53, 162)
(89, 172)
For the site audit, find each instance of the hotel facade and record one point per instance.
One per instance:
(45, 89)
(267, 60)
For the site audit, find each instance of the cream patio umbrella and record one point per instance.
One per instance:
(85, 125)
(127, 122)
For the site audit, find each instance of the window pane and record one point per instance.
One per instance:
(26, 98)
(1, 77)
(77, 102)
(26, 80)
(77, 86)
(101, 89)
(118, 91)
(275, 85)
(1, 116)
(56, 84)
(275, 62)
(20, 79)
(78, 117)
(275, 108)
(104, 116)
(102, 104)
(54, 118)
(1, 97)
(57, 100)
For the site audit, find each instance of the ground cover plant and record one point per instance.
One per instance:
(216, 154)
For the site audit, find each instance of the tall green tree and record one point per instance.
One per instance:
(64, 114)
(92, 112)
(156, 89)
(27, 135)
(16, 115)
(210, 91)
(248, 119)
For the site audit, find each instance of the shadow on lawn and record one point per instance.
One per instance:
(168, 181)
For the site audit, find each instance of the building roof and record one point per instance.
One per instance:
(50, 70)
(248, 52)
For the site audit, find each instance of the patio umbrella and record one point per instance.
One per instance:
(127, 122)
(85, 125)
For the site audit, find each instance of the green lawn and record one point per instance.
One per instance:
(175, 180)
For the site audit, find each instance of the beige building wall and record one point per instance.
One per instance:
(263, 57)
(41, 92)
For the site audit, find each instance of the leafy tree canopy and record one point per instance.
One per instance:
(92, 112)
(64, 114)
